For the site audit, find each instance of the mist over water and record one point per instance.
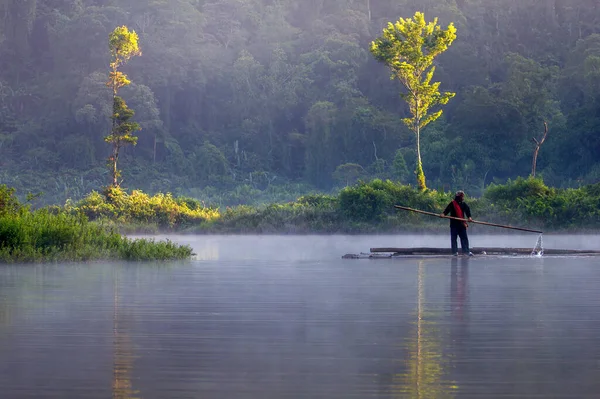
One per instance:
(285, 316)
(327, 247)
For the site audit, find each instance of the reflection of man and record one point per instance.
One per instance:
(458, 288)
(459, 209)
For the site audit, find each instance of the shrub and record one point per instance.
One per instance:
(520, 188)
(374, 200)
(138, 207)
(50, 236)
(318, 200)
(9, 203)
(364, 202)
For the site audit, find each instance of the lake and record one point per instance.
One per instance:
(286, 317)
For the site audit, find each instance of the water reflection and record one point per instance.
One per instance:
(428, 366)
(459, 295)
(308, 328)
(209, 250)
(122, 346)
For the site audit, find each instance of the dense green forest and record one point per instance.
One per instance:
(250, 96)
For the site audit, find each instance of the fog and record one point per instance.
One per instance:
(331, 247)
(272, 317)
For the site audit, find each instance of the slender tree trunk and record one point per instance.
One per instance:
(538, 144)
(115, 171)
(154, 151)
(418, 149)
(167, 106)
(420, 175)
(115, 153)
(535, 155)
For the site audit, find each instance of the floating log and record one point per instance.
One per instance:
(367, 256)
(388, 253)
(481, 251)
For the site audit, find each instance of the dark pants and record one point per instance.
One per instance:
(459, 231)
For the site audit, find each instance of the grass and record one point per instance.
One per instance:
(53, 235)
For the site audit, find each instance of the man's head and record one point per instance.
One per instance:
(459, 196)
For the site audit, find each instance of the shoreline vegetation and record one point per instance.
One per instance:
(92, 228)
(52, 234)
(363, 208)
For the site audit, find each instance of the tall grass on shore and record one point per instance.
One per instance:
(55, 235)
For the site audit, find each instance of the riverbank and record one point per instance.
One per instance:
(365, 208)
(54, 235)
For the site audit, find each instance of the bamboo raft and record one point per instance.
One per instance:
(377, 253)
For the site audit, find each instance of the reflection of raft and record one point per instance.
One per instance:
(424, 251)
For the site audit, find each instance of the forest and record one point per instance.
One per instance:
(242, 98)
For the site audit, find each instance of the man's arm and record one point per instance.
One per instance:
(447, 210)
(468, 212)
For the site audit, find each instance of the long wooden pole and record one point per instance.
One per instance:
(465, 220)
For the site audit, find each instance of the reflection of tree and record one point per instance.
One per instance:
(5, 314)
(5, 308)
(122, 356)
(426, 366)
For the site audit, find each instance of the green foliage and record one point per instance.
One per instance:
(9, 203)
(364, 203)
(520, 188)
(123, 45)
(55, 235)
(318, 201)
(122, 134)
(531, 200)
(209, 163)
(375, 200)
(348, 173)
(161, 209)
(320, 122)
(294, 217)
(409, 48)
(361, 208)
(286, 90)
(420, 176)
(147, 250)
(399, 166)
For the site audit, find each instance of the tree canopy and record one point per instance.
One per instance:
(409, 47)
(123, 45)
(288, 90)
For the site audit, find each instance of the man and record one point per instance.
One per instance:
(459, 209)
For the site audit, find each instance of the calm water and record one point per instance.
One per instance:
(286, 317)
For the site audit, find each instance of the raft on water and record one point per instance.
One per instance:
(425, 251)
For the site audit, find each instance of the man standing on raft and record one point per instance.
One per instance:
(459, 209)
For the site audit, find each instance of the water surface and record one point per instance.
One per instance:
(286, 317)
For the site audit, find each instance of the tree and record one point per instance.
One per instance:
(348, 173)
(123, 45)
(399, 166)
(320, 125)
(538, 144)
(408, 48)
(209, 163)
